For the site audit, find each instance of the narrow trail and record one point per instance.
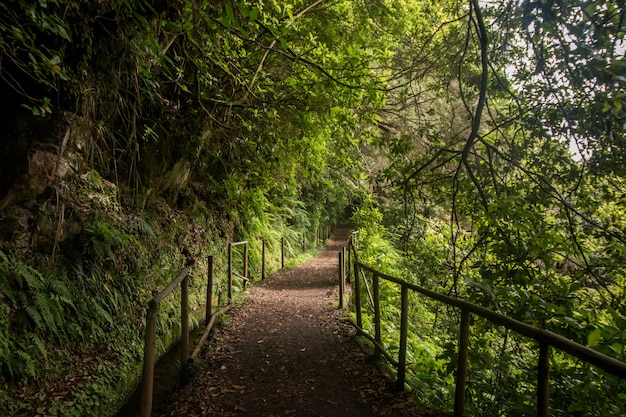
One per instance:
(287, 353)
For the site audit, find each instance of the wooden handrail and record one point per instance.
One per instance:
(147, 380)
(156, 300)
(238, 275)
(545, 337)
(602, 361)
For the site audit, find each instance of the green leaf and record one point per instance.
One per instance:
(230, 13)
(594, 337)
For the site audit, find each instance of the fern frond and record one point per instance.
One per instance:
(26, 365)
(103, 313)
(136, 223)
(39, 344)
(50, 312)
(63, 293)
(34, 315)
(33, 278)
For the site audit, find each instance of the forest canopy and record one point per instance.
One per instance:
(479, 145)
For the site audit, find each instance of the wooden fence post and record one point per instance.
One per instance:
(209, 290)
(147, 379)
(404, 332)
(184, 327)
(377, 330)
(343, 254)
(341, 281)
(245, 263)
(282, 253)
(348, 276)
(461, 372)
(543, 381)
(357, 297)
(230, 273)
(263, 259)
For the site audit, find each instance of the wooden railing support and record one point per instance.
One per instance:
(377, 327)
(149, 355)
(245, 263)
(348, 269)
(184, 328)
(343, 251)
(282, 253)
(404, 332)
(461, 371)
(357, 297)
(231, 272)
(263, 259)
(543, 380)
(209, 289)
(341, 281)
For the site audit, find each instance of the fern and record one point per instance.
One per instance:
(61, 295)
(138, 224)
(31, 277)
(6, 289)
(5, 341)
(39, 344)
(51, 313)
(102, 313)
(34, 315)
(26, 365)
(60, 288)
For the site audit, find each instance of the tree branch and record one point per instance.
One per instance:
(269, 49)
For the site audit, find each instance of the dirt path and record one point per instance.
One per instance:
(286, 353)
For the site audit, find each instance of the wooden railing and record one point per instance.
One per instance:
(147, 381)
(546, 338)
(231, 272)
(149, 356)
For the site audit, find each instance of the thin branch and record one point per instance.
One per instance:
(270, 48)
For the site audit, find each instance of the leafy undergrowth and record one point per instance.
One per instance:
(72, 324)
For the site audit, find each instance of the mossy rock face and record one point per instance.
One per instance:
(41, 166)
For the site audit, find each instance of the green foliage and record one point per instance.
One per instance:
(376, 247)
(236, 120)
(502, 213)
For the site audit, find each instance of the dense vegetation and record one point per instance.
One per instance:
(479, 143)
